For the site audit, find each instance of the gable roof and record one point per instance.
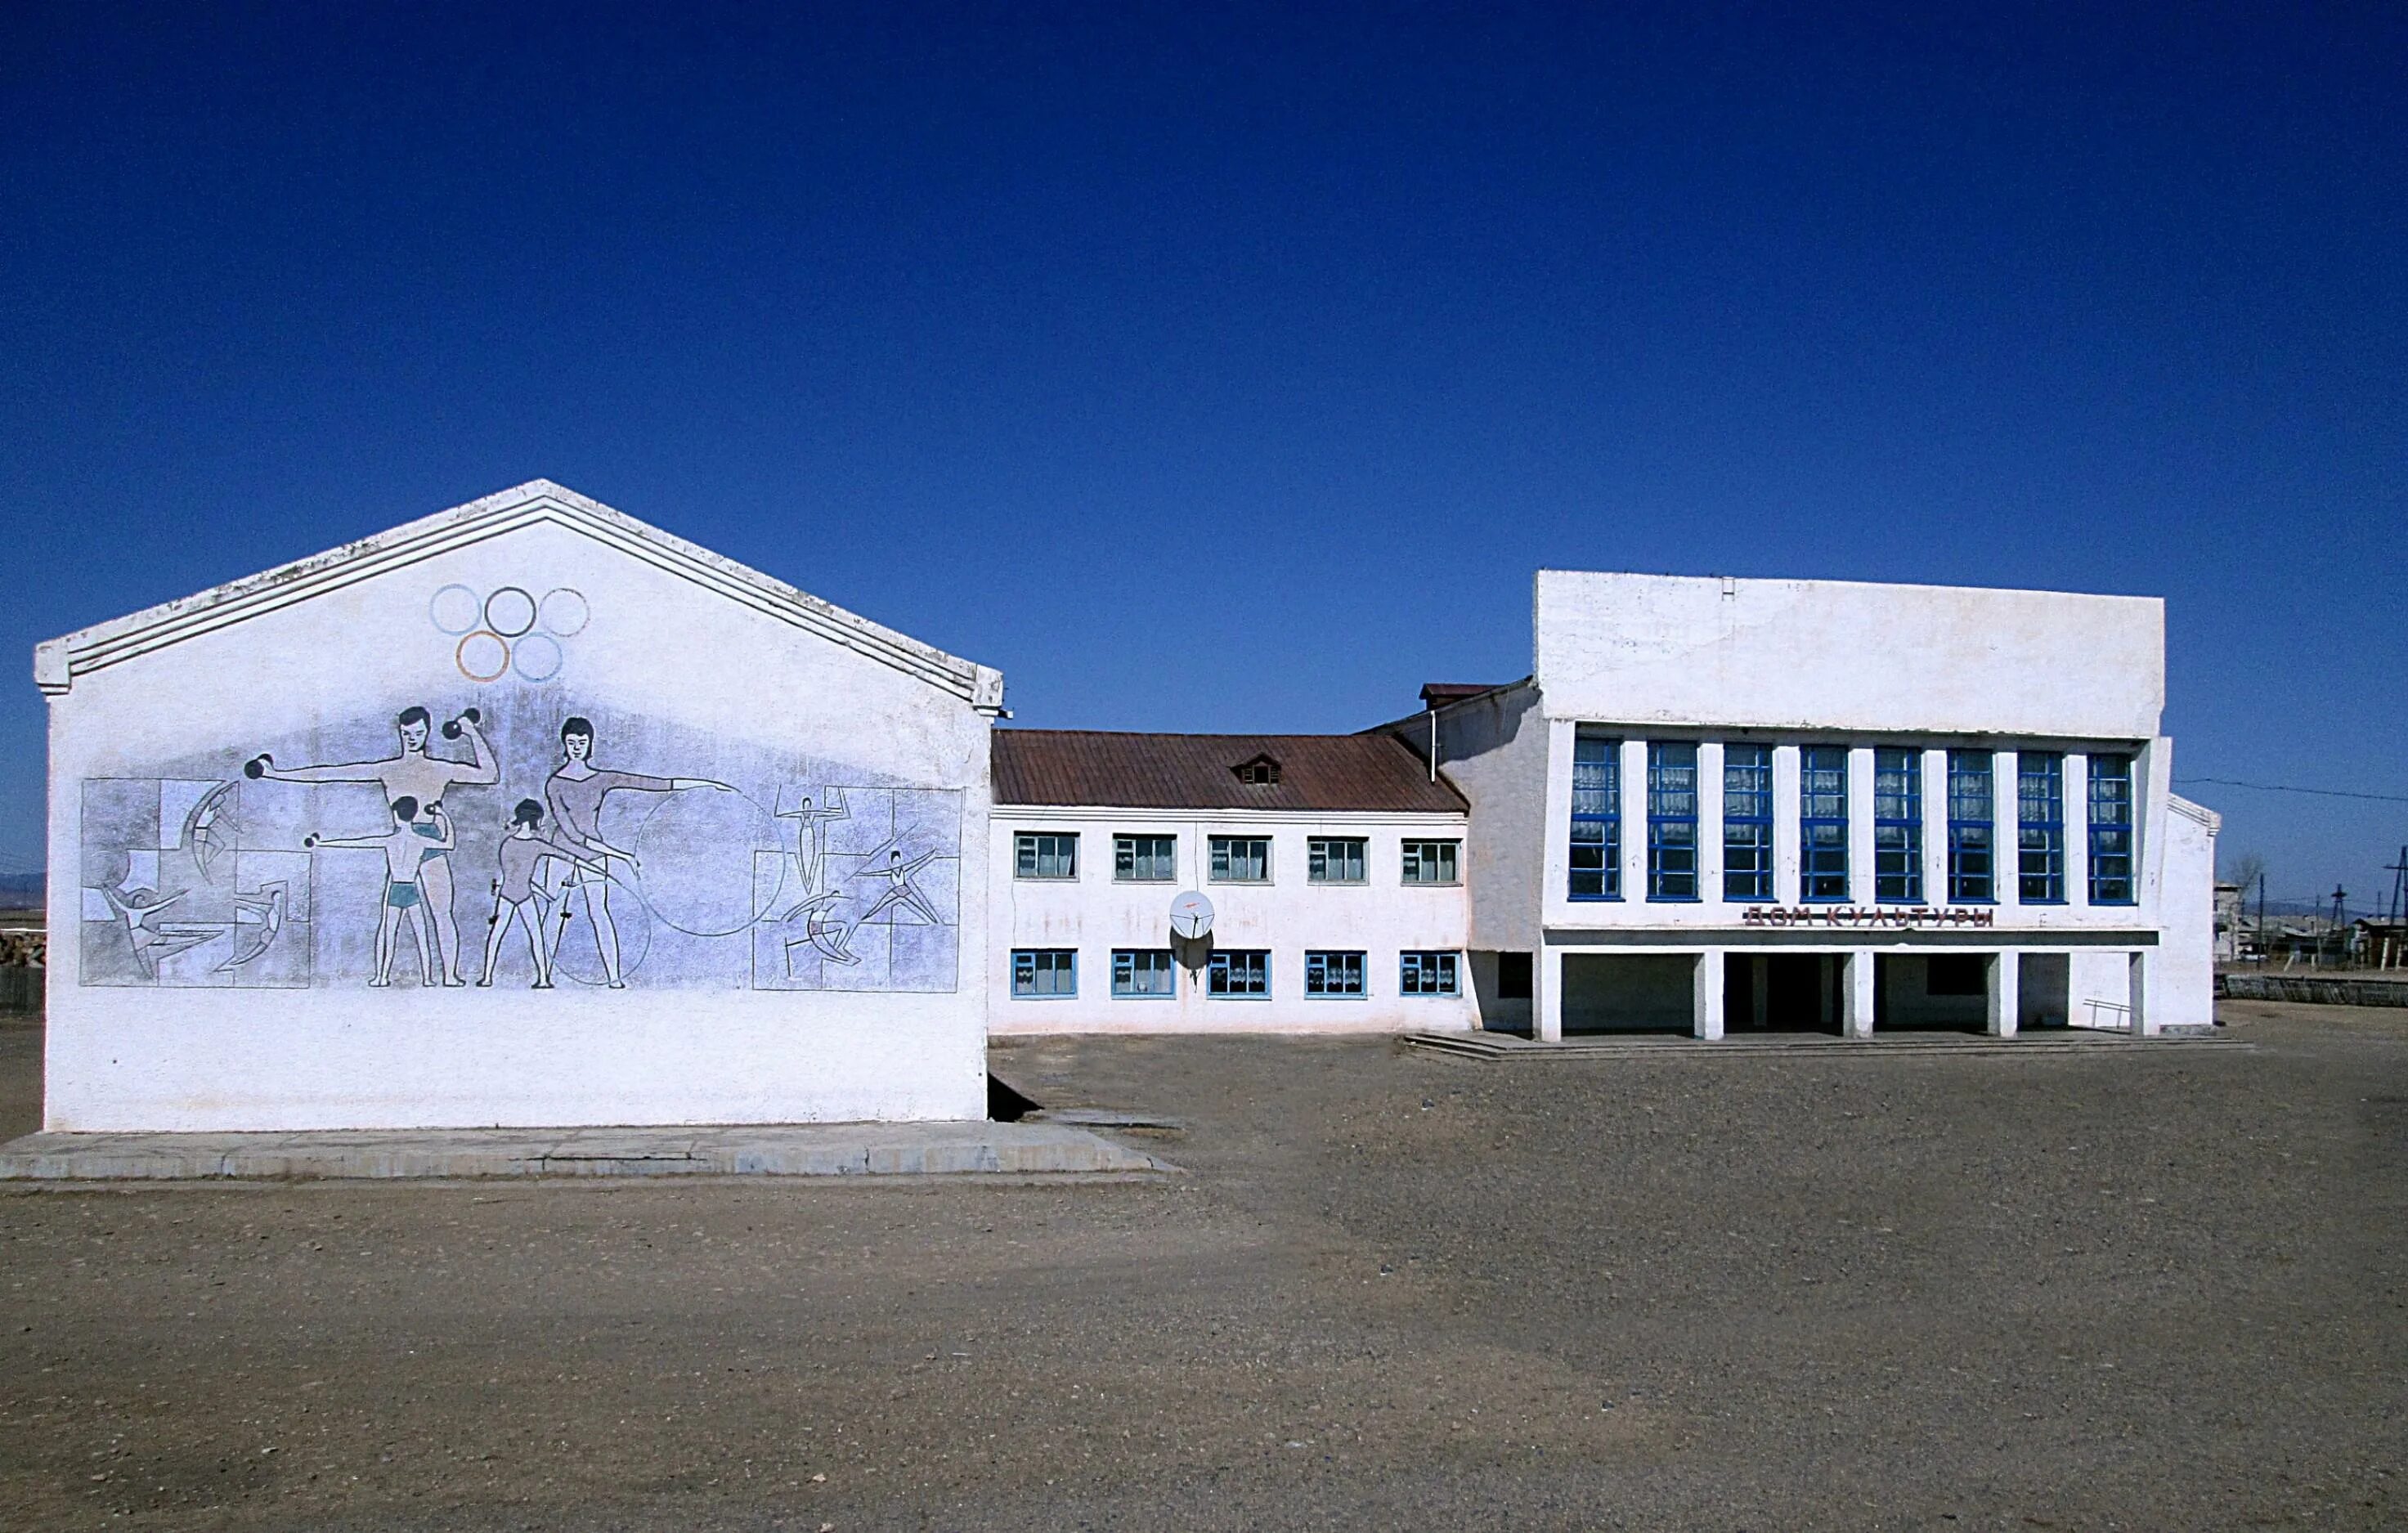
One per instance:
(59, 661)
(1111, 769)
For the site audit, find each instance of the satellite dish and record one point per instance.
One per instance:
(1191, 916)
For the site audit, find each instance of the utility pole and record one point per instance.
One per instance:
(2261, 918)
(2398, 872)
(2340, 944)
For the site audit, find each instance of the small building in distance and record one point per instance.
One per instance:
(524, 813)
(1318, 881)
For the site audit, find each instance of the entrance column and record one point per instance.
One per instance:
(1547, 994)
(1706, 994)
(2144, 1023)
(2006, 992)
(1857, 1016)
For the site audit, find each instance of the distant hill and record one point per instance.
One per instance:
(20, 890)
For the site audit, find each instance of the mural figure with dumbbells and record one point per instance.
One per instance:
(412, 773)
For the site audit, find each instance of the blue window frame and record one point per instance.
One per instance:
(1143, 972)
(1671, 821)
(2039, 827)
(1597, 818)
(1044, 973)
(1973, 827)
(1747, 821)
(2111, 830)
(1898, 826)
(1243, 973)
(1427, 974)
(1333, 974)
(1823, 822)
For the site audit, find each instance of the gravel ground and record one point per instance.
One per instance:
(2138, 1289)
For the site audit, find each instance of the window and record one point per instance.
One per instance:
(1747, 821)
(1334, 859)
(1261, 773)
(2111, 830)
(1898, 826)
(1971, 808)
(1431, 862)
(1041, 972)
(1045, 854)
(1425, 974)
(1238, 971)
(1143, 972)
(1145, 859)
(1671, 821)
(1823, 822)
(1597, 818)
(1241, 859)
(1514, 976)
(1333, 974)
(2039, 823)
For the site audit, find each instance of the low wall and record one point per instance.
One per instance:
(2318, 991)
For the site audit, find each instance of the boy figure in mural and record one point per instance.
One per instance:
(574, 792)
(517, 895)
(406, 849)
(411, 773)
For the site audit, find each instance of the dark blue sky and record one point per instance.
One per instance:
(1234, 369)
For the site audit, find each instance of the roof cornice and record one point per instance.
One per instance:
(58, 662)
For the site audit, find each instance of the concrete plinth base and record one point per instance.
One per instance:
(926, 1149)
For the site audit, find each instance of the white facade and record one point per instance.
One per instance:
(1289, 916)
(777, 913)
(1859, 688)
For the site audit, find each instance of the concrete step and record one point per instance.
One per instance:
(922, 1149)
(1494, 1046)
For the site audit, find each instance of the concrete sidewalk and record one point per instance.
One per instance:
(925, 1149)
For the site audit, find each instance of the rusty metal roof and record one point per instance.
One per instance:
(1107, 768)
(1440, 694)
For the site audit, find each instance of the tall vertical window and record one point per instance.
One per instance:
(1972, 813)
(1823, 822)
(2111, 830)
(1597, 818)
(1898, 825)
(1671, 821)
(2040, 826)
(1747, 821)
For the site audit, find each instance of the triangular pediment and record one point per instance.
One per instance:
(58, 662)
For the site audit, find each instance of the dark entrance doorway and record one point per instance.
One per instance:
(1800, 993)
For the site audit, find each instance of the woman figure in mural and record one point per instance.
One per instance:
(411, 773)
(574, 792)
(517, 894)
(406, 849)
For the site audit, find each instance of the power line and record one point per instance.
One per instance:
(2283, 787)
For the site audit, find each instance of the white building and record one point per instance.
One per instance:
(1723, 804)
(526, 813)
(1332, 866)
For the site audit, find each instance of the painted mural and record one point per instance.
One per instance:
(530, 839)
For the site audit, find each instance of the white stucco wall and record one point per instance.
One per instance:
(1380, 917)
(681, 680)
(1837, 654)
